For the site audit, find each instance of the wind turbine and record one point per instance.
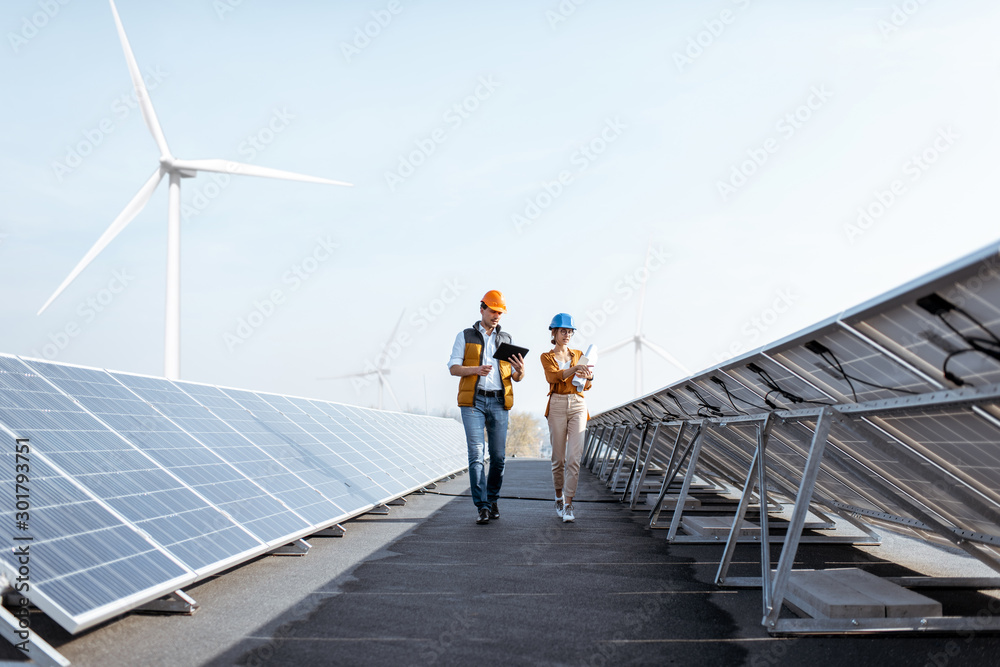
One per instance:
(176, 169)
(640, 340)
(380, 369)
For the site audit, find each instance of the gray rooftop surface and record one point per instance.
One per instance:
(427, 586)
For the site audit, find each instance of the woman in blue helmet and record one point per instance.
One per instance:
(566, 412)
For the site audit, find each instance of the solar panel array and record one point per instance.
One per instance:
(908, 385)
(132, 487)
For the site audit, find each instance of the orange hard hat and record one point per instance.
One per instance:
(494, 299)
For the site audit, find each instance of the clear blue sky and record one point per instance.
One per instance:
(515, 146)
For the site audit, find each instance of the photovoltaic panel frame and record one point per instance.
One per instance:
(904, 392)
(141, 486)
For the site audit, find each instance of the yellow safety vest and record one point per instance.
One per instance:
(474, 346)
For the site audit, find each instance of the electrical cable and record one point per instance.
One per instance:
(768, 404)
(714, 410)
(775, 388)
(667, 414)
(875, 385)
(843, 373)
(674, 399)
(938, 306)
(730, 397)
(818, 348)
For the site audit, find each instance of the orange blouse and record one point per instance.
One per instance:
(553, 375)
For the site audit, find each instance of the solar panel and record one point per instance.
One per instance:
(383, 430)
(140, 486)
(361, 484)
(870, 375)
(257, 451)
(364, 452)
(85, 556)
(197, 454)
(311, 460)
(118, 472)
(905, 392)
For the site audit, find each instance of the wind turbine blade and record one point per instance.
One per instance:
(385, 383)
(666, 355)
(142, 95)
(344, 377)
(642, 292)
(617, 346)
(392, 337)
(125, 217)
(230, 167)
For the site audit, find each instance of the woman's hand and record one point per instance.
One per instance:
(583, 371)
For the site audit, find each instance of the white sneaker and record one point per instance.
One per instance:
(559, 507)
(568, 514)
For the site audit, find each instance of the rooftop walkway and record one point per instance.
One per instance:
(427, 586)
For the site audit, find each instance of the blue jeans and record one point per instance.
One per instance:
(486, 414)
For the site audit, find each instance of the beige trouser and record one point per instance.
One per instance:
(567, 424)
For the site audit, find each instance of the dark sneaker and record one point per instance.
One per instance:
(494, 511)
(484, 515)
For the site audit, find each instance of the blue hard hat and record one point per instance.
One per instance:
(562, 321)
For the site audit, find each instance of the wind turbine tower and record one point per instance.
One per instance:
(639, 340)
(175, 169)
(380, 369)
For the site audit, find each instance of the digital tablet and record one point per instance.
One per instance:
(506, 351)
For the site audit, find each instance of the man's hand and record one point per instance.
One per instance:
(483, 371)
(517, 362)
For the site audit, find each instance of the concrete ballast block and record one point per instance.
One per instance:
(854, 593)
(717, 526)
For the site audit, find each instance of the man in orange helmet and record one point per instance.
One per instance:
(485, 395)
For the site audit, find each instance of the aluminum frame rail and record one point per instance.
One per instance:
(831, 451)
(887, 414)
